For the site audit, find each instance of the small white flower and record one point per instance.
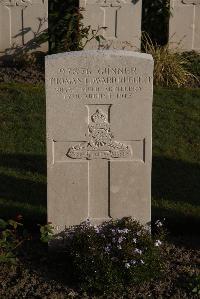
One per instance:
(159, 223)
(158, 243)
(133, 262)
(88, 222)
(123, 231)
(142, 262)
(138, 251)
(119, 247)
(134, 240)
(107, 248)
(97, 230)
(127, 265)
(120, 240)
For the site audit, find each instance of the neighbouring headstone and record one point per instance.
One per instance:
(21, 25)
(121, 18)
(184, 26)
(99, 132)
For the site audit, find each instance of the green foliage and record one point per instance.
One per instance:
(195, 285)
(155, 20)
(170, 68)
(193, 66)
(46, 233)
(63, 26)
(66, 30)
(112, 255)
(11, 239)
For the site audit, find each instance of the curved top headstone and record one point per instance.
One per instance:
(118, 21)
(99, 115)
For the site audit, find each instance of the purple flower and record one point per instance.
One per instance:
(107, 248)
(97, 229)
(123, 231)
(138, 251)
(120, 240)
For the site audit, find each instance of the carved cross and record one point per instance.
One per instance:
(9, 15)
(99, 152)
(194, 2)
(110, 9)
(22, 3)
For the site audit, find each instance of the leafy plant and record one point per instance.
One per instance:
(170, 68)
(193, 66)
(46, 233)
(192, 283)
(66, 30)
(155, 20)
(11, 240)
(112, 255)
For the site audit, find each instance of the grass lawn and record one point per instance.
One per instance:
(176, 145)
(22, 152)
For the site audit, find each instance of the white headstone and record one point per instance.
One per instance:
(99, 115)
(122, 19)
(184, 26)
(21, 22)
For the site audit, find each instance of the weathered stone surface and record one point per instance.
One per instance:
(21, 23)
(99, 115)
(122, 19)
(184, 27)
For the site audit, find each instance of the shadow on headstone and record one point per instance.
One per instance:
(33, 46)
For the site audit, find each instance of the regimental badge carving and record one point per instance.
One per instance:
(194, 2)
(101, 144)
(22, 3)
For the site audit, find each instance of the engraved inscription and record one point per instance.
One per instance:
(99, 83)
(101, 144)
(111, 2)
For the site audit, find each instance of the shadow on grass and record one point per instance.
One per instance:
(22, 188)
(24, 162)
(175, 180)
(175, 188)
